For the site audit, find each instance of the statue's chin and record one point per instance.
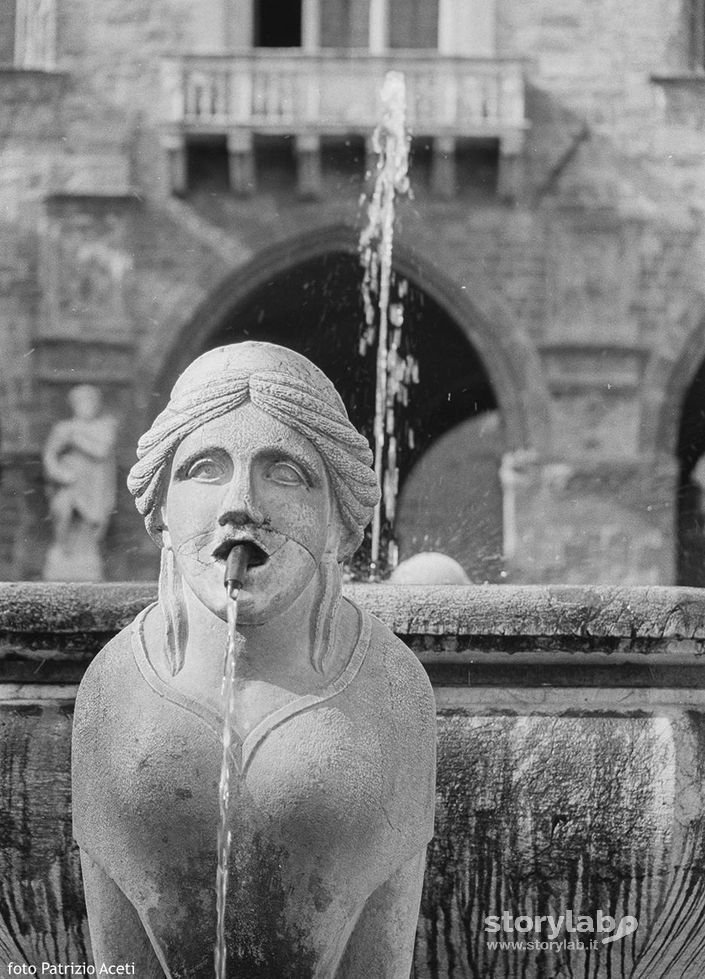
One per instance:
(268, 594)
(262, 607)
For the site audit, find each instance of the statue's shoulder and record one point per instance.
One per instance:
(405, 672)
(404, 702)
(106, 704)
(108, 682)
(106, 662)
(403, 688)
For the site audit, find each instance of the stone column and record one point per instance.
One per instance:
(379, 26)
(511, 171)
(589, 520)
(308, 162)
(175, 146)
(443, 176)
(310, 26)
(241, 163)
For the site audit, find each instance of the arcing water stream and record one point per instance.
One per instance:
(395, 372)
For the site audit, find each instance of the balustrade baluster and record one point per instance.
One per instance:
(471, 101)
(287, 94)
(271, 98)
(188, 95)
(198, 94)
(449, 104)
(512, 98)
(258, 95)
(212, 92)
(491, 98)
(242, 96)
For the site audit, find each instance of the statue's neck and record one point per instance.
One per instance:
(274, 662)
(276, 650)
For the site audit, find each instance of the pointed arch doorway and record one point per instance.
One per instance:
(691, 484)
(307, 297)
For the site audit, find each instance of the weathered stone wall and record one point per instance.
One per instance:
(570, 752)
(584, 299)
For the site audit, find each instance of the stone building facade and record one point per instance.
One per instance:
(177, 174)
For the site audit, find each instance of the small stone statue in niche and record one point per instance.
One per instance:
(80, 467)
(332, 806)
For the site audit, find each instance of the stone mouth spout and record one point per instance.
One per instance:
(240, 556)
(256, 554)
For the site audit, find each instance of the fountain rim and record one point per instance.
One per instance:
(581, 613)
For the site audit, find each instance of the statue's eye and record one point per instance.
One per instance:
(205, 470)
(286, 473)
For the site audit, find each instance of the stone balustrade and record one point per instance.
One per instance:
(570, 772)
(290, 92)
(309, 97)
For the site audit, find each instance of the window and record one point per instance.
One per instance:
(413, 24)
(344, 23)
(467, 27)
(278, 25)
(32, 26)
(696, 34)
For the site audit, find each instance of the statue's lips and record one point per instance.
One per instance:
(257, 555)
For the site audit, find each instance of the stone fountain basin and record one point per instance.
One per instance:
(571, 746)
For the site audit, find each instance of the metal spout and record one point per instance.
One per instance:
(236, 565)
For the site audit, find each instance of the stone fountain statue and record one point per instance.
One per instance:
(80, 467)
(334, 723)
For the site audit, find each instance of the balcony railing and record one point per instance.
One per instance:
(327, 93)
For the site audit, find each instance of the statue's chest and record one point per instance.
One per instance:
(310, 788)
(308, 821)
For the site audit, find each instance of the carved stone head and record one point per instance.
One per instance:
(255, 445)
(86, 402)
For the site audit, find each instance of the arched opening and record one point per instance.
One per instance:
(691, 486)
(315, 307)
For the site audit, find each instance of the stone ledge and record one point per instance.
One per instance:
(572, 611)
(483, 635)
(582, 616)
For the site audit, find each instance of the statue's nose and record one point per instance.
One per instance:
(238, 506)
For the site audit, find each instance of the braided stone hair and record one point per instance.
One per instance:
(286, 386)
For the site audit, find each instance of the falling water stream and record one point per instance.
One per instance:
(236, 565)
(384, 314)
(224, 833)
(395, 372)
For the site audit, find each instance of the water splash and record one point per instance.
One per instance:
(224, 833)
(384, 314)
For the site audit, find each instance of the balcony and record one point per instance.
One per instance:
(331, 93)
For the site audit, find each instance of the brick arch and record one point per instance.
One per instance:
(503, 347)
(666, 382)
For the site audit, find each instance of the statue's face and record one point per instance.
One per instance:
(246, 476)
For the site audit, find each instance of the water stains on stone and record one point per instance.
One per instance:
(537, 816)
